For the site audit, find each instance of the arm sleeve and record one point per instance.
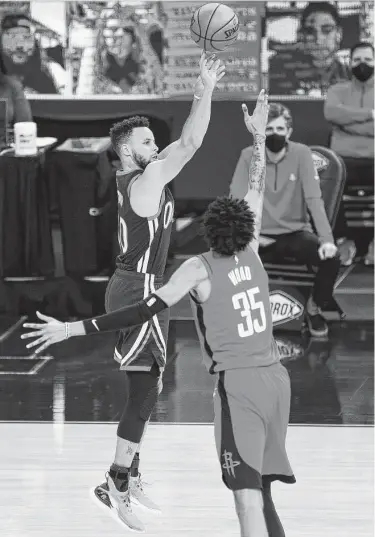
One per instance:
(22, 110)
(313, 195)
(133, 315)
(240, 180)
(338, 113)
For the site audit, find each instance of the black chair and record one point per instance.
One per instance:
(332, 173)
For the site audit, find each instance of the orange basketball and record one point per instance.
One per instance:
(214, 27)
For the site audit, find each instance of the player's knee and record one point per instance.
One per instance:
(248, 499)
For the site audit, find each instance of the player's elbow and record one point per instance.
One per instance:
(191, 144)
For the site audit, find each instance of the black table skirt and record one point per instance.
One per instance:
(25, 233)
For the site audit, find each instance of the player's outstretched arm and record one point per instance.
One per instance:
(198, 93)
(51, 331)
(256, 125)
(157, 174)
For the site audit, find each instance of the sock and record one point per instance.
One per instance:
(120, 476)
(135, 465)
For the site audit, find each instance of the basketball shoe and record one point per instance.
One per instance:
(119, 504)
(139, 496)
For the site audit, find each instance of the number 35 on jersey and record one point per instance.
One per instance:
(252, 310)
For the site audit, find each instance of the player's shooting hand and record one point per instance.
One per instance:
(211, 70)
(257, 123)
(327, 250)
(199, 86)
(49, 332)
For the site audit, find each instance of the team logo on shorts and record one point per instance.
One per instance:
(284, 307)
(229, 464)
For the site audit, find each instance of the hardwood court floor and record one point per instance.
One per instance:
(48, 469)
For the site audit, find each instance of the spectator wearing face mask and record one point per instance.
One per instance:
(292, 191)
(350, 109)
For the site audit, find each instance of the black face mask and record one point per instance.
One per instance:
(363, 71)
(275, 142)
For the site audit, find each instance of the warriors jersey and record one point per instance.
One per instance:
(235, 323)
(144, 242)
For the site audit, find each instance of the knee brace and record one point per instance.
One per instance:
(143, 394)
(149, 403)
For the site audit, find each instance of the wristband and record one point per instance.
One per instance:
(196, 97)
(67, 330)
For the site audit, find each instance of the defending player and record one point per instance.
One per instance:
(252, 395)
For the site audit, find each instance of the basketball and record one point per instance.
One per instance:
(214, 27)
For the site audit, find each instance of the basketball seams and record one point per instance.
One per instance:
(209, 22)
(214, 40)
(224, 25)
(196, 28)
(199, 24)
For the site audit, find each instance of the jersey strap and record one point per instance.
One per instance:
(206, 263)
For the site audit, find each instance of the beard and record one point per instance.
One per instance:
(142, 162)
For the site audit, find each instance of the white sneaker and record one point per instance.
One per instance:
(139, 496)
(119, 504)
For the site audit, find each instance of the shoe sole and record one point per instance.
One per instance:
(313, 332)
(112, 511)
(316, 334)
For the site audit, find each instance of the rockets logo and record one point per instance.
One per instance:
(229, 464)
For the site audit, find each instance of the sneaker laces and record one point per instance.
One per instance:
(138, 482)
(125, 499)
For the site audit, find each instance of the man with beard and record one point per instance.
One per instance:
(350, 109)
(292, 191)
(22, 56)
(145, 213)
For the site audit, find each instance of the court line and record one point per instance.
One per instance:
(12, 329)
(169, 423)
(40, 362)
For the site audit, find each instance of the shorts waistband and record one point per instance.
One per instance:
(140, 276)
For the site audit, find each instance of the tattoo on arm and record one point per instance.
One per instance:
(257, 175)
(257, 170)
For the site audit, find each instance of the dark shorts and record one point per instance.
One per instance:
(139, 347)
(251, 419)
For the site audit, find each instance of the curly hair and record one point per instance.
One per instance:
(228, 225)
(121, 131)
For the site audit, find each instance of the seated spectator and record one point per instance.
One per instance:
(18, 107)
(350, 109)
(292, 190)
